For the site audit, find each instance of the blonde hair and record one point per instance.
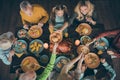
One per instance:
(84, 3)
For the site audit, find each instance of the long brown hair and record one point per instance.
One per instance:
(59, 7)
(84, 3)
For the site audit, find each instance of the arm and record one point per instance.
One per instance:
(108, 33)
(11, 53)
(64, 26)
(109, 68)
(4, 58)
(80, 63)
(50, 66)
(44, 14)
(48, 69)
(51, 28)
(66, 67)
(25, 24)
(22, 17)
(79, 72)
(92, 19)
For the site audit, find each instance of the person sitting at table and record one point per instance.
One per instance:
(115, 42)
(31, 75)
(6, 52)
(59, 19)
(65, 74)
(84, 12)
(32, 14)
(106, 73)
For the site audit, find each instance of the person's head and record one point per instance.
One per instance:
(5, 44)
(84, 7)
(6, 40)
(29, 75)
(60, 11)
(26, 7)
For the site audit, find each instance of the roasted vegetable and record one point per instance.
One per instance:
(35, 46)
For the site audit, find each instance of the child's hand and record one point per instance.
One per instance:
(40, 24)
(91, 20)
(110, 52)
(59, 31)
(103, 60)
(12, 52)
(26, 26)
(55, 48)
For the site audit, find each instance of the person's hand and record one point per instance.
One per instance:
(87, 44)
(14, 41)
(17, 71)
(45, 45)
(40, 24)
(26, 26)
(103, 60)
(110, 52)
(81, 57)
(77, 42)
(55, 48)
(59, 31)
(89, 19)
(51, 29)
(12, 52)
(91, 42)
(94, 40)
(83, 68)
(65, 25)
